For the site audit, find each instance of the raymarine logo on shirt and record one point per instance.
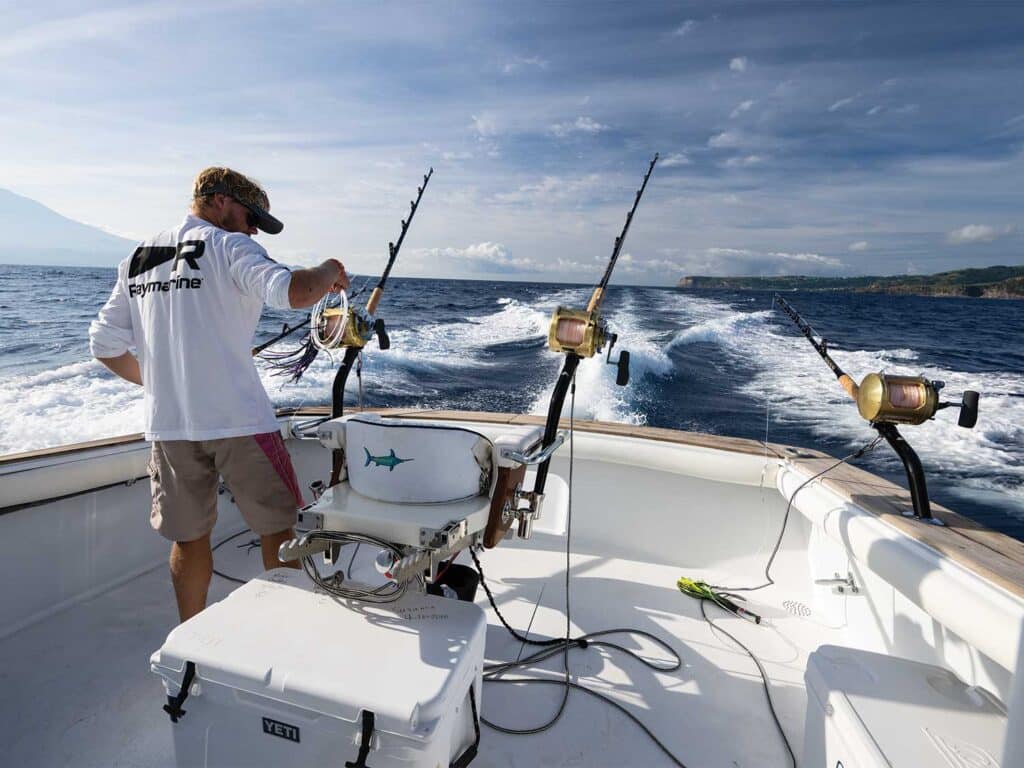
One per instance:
(147, 257)
(283, 730)
(175, 283)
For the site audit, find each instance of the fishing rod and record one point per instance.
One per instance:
(335, 325)
(579, 334)
(286, 331)
(361, 325)
(885, 400)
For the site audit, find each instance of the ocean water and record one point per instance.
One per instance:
(719, 362)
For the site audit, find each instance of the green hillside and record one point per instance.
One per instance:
(989, 282)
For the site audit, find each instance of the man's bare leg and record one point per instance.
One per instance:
(270, 544)
(191, 568)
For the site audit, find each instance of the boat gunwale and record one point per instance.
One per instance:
(994, 556)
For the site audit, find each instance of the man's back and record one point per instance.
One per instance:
(192, 298)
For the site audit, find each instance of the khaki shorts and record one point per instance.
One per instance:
(256, 469)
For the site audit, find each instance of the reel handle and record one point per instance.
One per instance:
(969, 409)
(383, 340)
(622, 375)
(622, 364)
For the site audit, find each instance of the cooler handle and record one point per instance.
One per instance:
(469, 755)
(173, 705)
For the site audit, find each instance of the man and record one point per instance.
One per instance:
(188, 300)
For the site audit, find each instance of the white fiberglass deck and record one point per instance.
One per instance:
(79, 691)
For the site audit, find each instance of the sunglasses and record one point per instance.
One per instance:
(255, 215)
(251, 217)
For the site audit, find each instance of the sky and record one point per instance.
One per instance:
(794, 138)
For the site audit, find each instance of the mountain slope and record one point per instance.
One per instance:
(31, 233)
(995, 282)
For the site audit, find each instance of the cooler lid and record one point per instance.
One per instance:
(912, 713)
(276, 637)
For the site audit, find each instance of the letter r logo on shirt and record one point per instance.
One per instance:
(188, 251)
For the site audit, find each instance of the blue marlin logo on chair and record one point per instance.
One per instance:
(390, 461)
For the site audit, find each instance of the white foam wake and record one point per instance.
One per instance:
(800, 389)
(84, 401)
(597, 394)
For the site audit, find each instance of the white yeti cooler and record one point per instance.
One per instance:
(869, 710)
(284, 675)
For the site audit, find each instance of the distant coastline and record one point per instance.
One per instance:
(985, 282)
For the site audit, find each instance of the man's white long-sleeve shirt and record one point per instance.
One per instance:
(188, 301)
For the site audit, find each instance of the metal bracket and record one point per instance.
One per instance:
(537, 457)
(840, 586)
(301, 429)
(436, 538)
(415, 563)
(310, 520)
(296, 549)
(528, 514)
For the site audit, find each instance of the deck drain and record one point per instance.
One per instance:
(796, 608)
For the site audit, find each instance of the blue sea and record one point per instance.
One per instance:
(725, 363)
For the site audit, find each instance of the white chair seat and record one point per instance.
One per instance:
(348, 511)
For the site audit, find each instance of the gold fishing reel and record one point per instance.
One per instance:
(579, 331)
(345, 326)
(886, 399)
(356, 331)
(582, 332)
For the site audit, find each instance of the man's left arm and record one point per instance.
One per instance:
(126, 366)
(111, 334)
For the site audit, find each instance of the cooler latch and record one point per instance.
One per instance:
(364, 743)
(173, 705)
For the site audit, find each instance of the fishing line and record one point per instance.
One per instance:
(760, 669)
(562, 645)
(769, 581)
(225, 541)
(718, 594)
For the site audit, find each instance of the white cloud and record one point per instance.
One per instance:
(841, 103)
(860, 245)
(551, 189)
(719, 252)
(740, 261)
(579, 125)
(742, 162)
(725, 140)
(519, 63)
(685, 28)
(456, 155)
(675, 159)
(486, 124)
(978, 233)
(742, 107)
(478, 255)
(807, 258)
(875, 109)
(91, 26)
(738, 64)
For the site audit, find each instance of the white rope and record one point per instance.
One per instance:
(328, 343)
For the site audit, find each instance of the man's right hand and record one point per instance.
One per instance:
(341, 283)
(308, 286)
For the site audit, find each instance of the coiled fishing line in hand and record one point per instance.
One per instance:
(326, 332)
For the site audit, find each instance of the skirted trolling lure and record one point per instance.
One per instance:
(334, 324)
(578, 334)
(885, 400)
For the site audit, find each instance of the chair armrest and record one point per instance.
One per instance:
(517, 443)
(331, 434)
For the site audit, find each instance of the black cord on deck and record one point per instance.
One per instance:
(562, 645)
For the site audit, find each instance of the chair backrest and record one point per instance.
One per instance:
(416, 463)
